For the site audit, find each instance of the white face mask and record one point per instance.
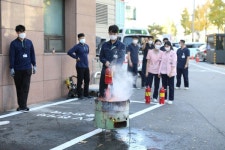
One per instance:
(150, 42)
(22, 35)
(135, 41)
(82, 41)
(167, 48)
(157, 46)
(113, 37)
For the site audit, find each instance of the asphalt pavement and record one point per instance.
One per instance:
(195, 121)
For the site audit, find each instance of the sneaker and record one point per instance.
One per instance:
(186, 88)
(169, 102)
(134, 86)
(177, 88)
(18, 109)
(155, 100)
(25, 109)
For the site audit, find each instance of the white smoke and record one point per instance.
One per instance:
(122, 84)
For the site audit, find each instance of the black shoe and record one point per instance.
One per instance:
(25, 109)
(134, 86)
(18, 109)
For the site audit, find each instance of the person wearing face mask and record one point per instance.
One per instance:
(154, 58)
(167, 70)
(132, 53)
(22, 59)
(164, 41)
(149, 45)
(112, 53)
(183, 54)
(80, 52)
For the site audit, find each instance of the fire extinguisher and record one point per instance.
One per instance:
(108, 76)
(162, 96)
(148, 95)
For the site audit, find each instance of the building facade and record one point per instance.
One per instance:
(50, 24)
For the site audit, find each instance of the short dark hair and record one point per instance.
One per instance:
(135, 37)
(165, 39)
(150, 37)
(158, 40)
(182, 41)
(80, 35)
(20, 28)
(114, 29)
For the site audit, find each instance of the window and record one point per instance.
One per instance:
(54, 25)
(101, 13)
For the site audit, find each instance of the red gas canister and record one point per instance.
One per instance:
(148, 95)
(108, 76)
(162, 96)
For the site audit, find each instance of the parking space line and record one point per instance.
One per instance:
(92, 133)
(39, 107)
(223, 73)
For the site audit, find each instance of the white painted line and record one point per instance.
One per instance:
(77, 140)
(223, 73)
(144, 111)
(137, 102)
(40, 107)
(92, 133)
(4, 123)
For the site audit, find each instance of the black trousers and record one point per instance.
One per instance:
(83, 74)
(167, 81)
(143, 73)
(183, 72)
(22, 82)
(156, 83)
(102, 85)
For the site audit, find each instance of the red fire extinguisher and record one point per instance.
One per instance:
(162, 96)
(148, 95)
(108, 76)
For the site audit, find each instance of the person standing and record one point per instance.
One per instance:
(163, 47)
(22, 58)
(133, 60)
(154, 58)
(146, 47)
(112, 53)
(80, 52)
(183, 54)
(167, 70)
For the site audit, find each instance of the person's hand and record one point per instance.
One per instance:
(107, 63)
(78, 59)
(34, 69)
(186, 65)
(159, 75)
(12, 72)
(146, 74)
(170, 75)
(130, 64)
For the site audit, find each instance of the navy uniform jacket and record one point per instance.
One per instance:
(182, 55)
(80, 51)
(114, 53)
(21, 54)
(133, 49)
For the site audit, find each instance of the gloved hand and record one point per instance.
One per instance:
(34, 69)
(12, 72)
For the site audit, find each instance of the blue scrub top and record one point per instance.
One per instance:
(133, 49)
(182, 55)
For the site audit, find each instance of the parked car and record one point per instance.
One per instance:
(201, 53)
(193, 46)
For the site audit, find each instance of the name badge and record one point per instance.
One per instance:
(183, 56)
(24, 55)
